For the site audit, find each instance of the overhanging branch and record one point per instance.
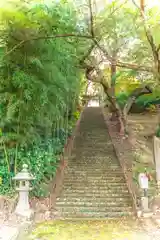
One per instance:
(122, 64)
(45, 38)
(95, 42)
(134, 66)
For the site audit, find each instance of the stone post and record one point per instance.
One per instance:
(23, 178)
(157, 161)
(143, 182)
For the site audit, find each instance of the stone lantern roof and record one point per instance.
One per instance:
(24, 174)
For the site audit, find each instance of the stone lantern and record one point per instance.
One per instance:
(143, 182)
(23, 178)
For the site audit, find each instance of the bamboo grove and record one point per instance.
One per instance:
(40, 85)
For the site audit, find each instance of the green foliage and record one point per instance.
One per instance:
(122, 99)
(76, 115)
(41, 158)
(42, 162)
(40, 77)
(5, 177)
(144, 102)
(40, 82)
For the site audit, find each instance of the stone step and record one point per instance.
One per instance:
(92, 165)
(93, 174)
(95, 188)
(91, 209)
(82, 159)
(95, 199)
(100, 191)
(92, 157)
(91, 129)
(89, 153)
(86, 182)
(93, 169)
(92, 136)
(95, 204)
(101, 165)
(81, 142)
(93, 148)
(106, 188)
(92, 142)
(83, 174)
(83, 163)
(89, 138)
(96, 178)
(93, 145)
(96, 182)
(93, 215)
(98, 162)
(101, 195)
(85, 132)
(105, 158)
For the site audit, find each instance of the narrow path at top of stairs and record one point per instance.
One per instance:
(94, 186)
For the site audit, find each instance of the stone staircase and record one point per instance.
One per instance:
(94, 185)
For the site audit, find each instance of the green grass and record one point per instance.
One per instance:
(88, 230)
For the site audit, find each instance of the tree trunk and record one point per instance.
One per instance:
(115, 108)
(113, 77)
(112, 88)
(108, 91)
(134, 95)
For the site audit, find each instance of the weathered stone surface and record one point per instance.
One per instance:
(94, 185)
(157, 158)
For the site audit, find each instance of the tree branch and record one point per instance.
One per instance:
(91, 19)
(147, 30)
(134, 66)
(95, 43)
(158, 48)
(45, 38)
(122, 64)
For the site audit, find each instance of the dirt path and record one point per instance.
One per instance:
(122, 229)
